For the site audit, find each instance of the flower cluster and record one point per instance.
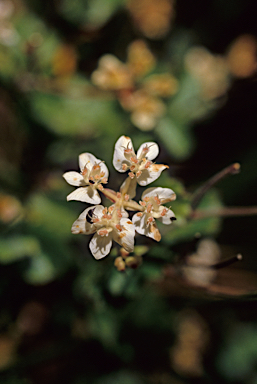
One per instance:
(140, 96)
(112, 223)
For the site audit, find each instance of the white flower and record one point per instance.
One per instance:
(152, 200)
(93, 173)
(108, 225)
(199, 265)
(140, 165)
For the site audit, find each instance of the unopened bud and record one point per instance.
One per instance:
(124, 253)
(133, 261)
(120, 264)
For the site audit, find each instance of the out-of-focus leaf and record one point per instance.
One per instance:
(104, 326)
(18, 247)
(188, 105)
(183, 230)
(40, 271)
(73, 116)
(7, 64)
(53, 217)
(117, 283)
(42, 42)
(177, 140)
(94, 12)
(238, 357)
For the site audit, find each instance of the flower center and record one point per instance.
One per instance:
(95, 176)
(109, 221)
(136, 164)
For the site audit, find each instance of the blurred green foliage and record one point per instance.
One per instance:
(65, 317)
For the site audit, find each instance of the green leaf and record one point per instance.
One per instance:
(17, 247)
(50, 215)
(177, 140)
(93, 12)
(72, 116)
(40, 271)
(186, 230)
(104, 326)
(238, 357)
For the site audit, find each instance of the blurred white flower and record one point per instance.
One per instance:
(8, 34)
(211, 71)
(199, 265)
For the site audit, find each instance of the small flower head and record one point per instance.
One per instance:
(112, 74)
(211, 72)
(152, 200)
(152, 17)
(93, 174)
(107, 225)
(145, 109)
(113, 223)
(241, 57)
(162, 85)
(140, 58)
(140, 165)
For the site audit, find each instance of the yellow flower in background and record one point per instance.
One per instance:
(137, 94)
(241, 57)
(153, 18)
(112, 74)
(211, 72)
(140, 60)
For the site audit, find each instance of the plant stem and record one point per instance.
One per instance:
(227, 262)
(224, 212)
(230, 170)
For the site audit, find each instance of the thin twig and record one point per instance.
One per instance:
(224, 212)
(227, 262)
(230, 170)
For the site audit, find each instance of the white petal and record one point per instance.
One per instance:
(164, 194)
(140, 223)
(98, 212)
(126, 237)
(118, 157)
(81, 225)
(168, 218)
(100, 246)
(143, 229)
(104, 169)
(150, 174)
(153, 150)
(86, 195)
(74, 178)
(87, 159)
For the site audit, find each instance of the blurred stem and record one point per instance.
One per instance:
(224, 212)
(60, 86)
(227, 262)
(230, 170)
